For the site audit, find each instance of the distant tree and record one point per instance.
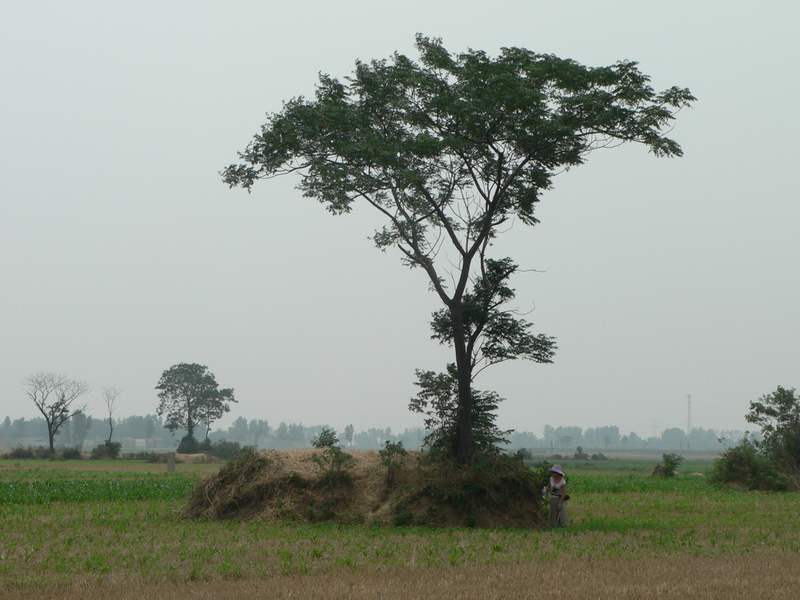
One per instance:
(282, 432)
(349, 431)
(523, 439)
(149, 428)
(5, 430)
(81, 424)
(778, 416)
(451, 151)
(634, 440)
(550, 434)
(238, 431)
(564, 441)
(110, 394)
(190, 396)
(257, 428)
(607, 437)
(703, 439)
(296, 432)
(674, 438)
(54, 396)
(574, 433)
(18, 428)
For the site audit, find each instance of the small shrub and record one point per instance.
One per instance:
(224, 449)
(580, 454)
(334, 464)
(107, 450)
(20, 453)
(746, 467)
(523, 454)
(599, 456)
(71, 454)
(326, 439)
(392, 457)
(668, 467)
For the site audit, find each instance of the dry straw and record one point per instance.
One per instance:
(292, 485)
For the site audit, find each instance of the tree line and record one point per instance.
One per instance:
(87, 431)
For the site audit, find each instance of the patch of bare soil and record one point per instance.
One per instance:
(300, 486)
(670, 578)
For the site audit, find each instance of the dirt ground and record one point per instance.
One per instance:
(776, 577)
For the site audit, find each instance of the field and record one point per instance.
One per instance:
(92, 529)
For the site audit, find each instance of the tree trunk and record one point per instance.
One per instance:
(189, 423)
(463, 447)
(52, 436)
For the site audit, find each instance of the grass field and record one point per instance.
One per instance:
(88, 529)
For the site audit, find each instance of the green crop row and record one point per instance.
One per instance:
(585, 484)
(46, 491)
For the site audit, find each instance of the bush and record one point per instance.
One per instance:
(335, 464)
(107, 450)
(189, 445)
(746, 467)
(71, 454)
(224, 449)
(20, 453)
(494, 490)
(326, 439)
(668, 467)
(580, 454)
(392, 457)
(523, 454)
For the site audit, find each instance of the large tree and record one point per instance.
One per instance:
(452, 150)
(190, 396)
(54, 396)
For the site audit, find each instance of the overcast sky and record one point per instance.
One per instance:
(122, 253)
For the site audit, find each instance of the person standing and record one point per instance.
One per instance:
(558, 495)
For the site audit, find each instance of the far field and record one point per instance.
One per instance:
(91, 529)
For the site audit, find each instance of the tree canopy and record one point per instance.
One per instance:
(451, 150)
(778, 416)
(190, 396)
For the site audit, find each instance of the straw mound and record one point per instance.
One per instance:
(288, 485)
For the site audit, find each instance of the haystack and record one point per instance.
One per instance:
(289, 485)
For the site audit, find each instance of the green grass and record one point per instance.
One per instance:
(71, 526)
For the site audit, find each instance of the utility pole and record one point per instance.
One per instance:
(689, 419)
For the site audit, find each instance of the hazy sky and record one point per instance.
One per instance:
(122, 253)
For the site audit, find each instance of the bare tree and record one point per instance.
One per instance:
(54, 396)
(110, 394)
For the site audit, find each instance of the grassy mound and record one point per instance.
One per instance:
(310, 486)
